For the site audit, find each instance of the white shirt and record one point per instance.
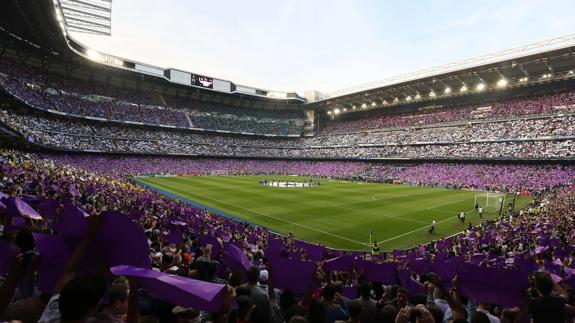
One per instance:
(492, 318)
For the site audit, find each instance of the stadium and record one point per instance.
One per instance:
(131, 192)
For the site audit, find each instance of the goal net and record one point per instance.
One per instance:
(490, 202)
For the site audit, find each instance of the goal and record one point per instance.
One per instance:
(490, 202)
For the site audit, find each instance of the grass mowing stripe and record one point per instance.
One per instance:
(396, 213)
(275, 218)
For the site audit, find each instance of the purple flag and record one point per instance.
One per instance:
(292, 274)
(174, 237)
(446, 270)
(496, 286)
(48, 208)
(204, 240)
(412, 286)
(375, 272)
(181, 291)
(234, 258)
(16, 207)
(126, 241)
(54, 255)
(341, 263)
(72, 221)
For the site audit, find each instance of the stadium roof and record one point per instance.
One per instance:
(542, 62)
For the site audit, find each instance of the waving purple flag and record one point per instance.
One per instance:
(341, 263)
(446, 270)
(293, 274)
(72, 221)
(54, 255)
(375, 272)
(412, 286)
(174, 237)
(234, 258)
(16, 207)
(496, 286)
(48, 208)
(127, 243)
(181, 291)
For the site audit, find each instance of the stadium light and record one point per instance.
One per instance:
(502, 83)
(571, 72)
(395, 100)
(329, 112)
(432, 94)
(524, 79)
(384, 102)
(336, 111)
(480, 87)
(463, 89)
(373, 104)
(93, 55)
(353, 107)
(364, 105)
(408, 98)
(417, 96)
(344, 109)
(447, 90)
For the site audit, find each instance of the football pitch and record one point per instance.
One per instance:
(338, 214)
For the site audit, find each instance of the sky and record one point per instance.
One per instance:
(325, 45)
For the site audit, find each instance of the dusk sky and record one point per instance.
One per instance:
(297, 45)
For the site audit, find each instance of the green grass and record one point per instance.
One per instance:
(338, 214)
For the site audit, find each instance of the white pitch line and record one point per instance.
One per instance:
(412, 231)
(433, 207)
(283, 220)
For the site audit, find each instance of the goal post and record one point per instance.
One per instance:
(490, 202)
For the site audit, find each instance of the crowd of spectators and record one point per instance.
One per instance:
(533, 104)
(539, 138)
(490, 177)
(45, 91)
(82, 247)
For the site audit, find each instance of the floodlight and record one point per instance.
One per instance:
(364, 105)
(329, 112)
(373, 103)
(384, 102)
(463, 89)
(417, 96)
(408, 98)
(336, 111)
(93, 55)
(480, 87)
(502, 83)
(432, 94)
(395, 100)
(344, 109)
(447, 90)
